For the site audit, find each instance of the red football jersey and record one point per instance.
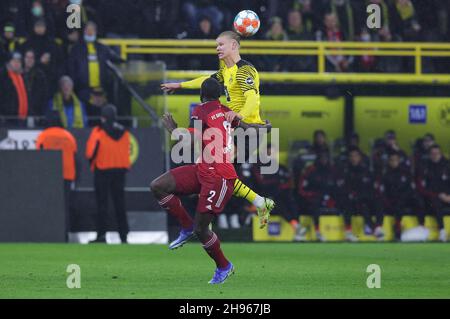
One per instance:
(217, 140)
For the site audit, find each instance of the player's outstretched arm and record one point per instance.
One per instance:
(170, 87)
(267, 125)
(168, 122)
(232, 116)
(193, 84)
(170, 125)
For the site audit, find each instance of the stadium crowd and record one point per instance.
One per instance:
(46, 67)
(342, 180)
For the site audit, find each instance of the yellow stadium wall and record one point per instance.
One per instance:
(297, 117)
(374, 115)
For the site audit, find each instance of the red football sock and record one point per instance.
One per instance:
(172, 204)
(212, 247)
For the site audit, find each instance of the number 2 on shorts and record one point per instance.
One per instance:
(211, 195)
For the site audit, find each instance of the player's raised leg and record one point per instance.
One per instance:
(263, 205)
(164, 188)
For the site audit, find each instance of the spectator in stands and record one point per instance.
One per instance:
(309, 11)
(342, 10)
(367, 62)
(371, 63)
(36, 85)
(385, 64)
(47, 53)
(70, 39)
(98, 98)
(340, 154)
(354, 141)
(342, 158)
(276, 32)
(382, 34)
(11, 12)
(434, 185)
(40, 11)
(204, 30)
(358, 195)
(398, 192)
(317, 188)
(87, 66)
(333, 33)
(320, 143)
(55, 137)
(296, 31)
(72, 111)
(87, 13)
(392, 145)
(13, 93)
(433, 16)
(107, 150)
(380, 153)
(97, 102)
(405, 22)
(194, 10)
(162, 17)
(421, 152)
(9, 43)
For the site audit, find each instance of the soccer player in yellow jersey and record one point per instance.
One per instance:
(241, 83)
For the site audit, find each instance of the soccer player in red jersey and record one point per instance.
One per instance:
(212, 177)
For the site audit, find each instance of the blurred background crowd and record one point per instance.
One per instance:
(37, 49)
(45, 67)
(38, 28)
(337, 177)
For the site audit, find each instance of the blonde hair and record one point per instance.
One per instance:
(232, 35)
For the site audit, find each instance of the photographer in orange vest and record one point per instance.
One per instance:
(108, 150)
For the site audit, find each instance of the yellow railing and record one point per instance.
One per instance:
(418, 51)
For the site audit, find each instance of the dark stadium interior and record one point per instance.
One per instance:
(42, 62)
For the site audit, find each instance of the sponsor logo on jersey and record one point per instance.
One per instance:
(249, 81)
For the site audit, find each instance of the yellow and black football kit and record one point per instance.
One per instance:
(241, 84)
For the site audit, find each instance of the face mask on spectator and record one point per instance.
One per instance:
(77, 2)
(90, 38)
(37, 11)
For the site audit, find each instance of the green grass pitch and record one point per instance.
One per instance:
(263, 270)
